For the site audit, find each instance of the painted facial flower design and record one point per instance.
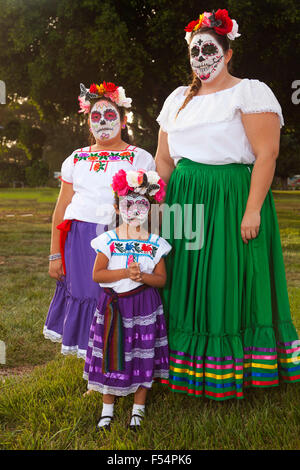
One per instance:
(105, 120)
(206, 57)
(134, 209)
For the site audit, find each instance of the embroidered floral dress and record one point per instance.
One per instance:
(75, 299)
(145, 346)
(91, 175)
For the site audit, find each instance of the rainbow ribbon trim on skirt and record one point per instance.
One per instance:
(221, 378)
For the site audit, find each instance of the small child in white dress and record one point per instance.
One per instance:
(128, 344)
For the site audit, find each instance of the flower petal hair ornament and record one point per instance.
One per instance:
(147, 183)
(106, 90)
(218, 20)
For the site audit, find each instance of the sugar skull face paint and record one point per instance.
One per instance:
(104, 120)
(206, 57)
(134, 209)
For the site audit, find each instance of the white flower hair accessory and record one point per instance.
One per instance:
(105, 89)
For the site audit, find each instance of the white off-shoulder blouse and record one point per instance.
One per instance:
(209, 129)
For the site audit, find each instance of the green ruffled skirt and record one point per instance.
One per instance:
(226, 302)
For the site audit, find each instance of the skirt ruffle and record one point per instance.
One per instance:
(226, 303)
(145, 345)
(75, 299)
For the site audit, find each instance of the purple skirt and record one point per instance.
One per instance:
(146, 353)
(75, 299)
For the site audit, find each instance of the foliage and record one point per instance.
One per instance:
(11, 172)
(37, 174)
(139, 44)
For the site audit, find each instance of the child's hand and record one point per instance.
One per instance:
(135, 272)
(56, 269)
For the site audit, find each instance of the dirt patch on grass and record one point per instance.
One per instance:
(16, 371)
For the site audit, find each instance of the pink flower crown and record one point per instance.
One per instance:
(147, 183)
(105, 89)
(218, 20)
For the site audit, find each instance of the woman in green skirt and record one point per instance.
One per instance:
(226, 298)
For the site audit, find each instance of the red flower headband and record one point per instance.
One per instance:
(105, 89)
(218, 20)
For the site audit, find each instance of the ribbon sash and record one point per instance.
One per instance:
(113, 335)
(113, 357)
(64, 228)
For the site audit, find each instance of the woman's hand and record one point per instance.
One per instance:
(250, 225)
(56, 269)
(263, 132)
(134, 272)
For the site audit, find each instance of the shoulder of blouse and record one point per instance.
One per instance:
(143, 155)
(258, 97)
(179, 92)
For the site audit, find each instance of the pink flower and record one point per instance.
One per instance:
(113, 95)
(119, 183)
(161, 193)
(85, 106)
(112, 247)
(130, 259)
(206, 21)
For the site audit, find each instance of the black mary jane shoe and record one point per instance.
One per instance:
(135, 427)
(106, 427)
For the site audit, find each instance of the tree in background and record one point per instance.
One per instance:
(22, 142)
(32, 148)
(140, 45)
(288, 162)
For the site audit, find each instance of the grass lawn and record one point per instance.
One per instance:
(41, 402)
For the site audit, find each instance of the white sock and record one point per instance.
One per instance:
(137, 410)
(107, 410)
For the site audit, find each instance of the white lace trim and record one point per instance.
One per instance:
(135, 353)
(161, 374)
(136, 320)
(74, 351)
(139, 353)
(123, 391)
(96, 352)
(159, 342)
(52, 335)
(118, 391)
(249, 96)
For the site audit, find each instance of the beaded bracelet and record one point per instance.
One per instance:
(54, 257)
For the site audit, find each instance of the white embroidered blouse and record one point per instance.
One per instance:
(209, 129)
(91, 175)
(121, 252)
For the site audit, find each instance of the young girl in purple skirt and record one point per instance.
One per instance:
(83, 210)
(128, 344)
